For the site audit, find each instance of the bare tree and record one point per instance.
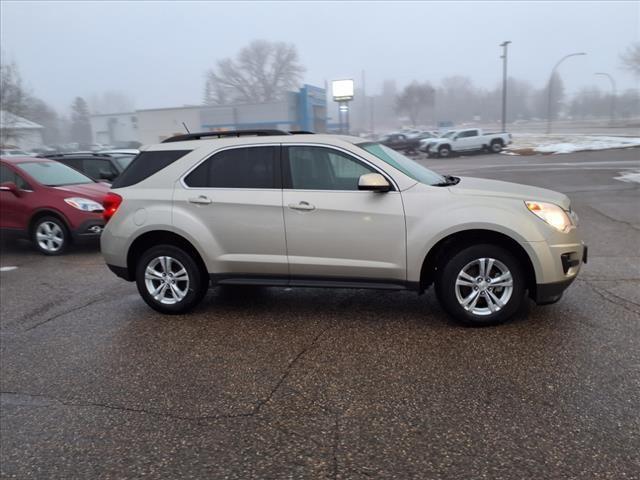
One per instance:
(262, 72)
(111, 101)
(631, 58)
(414, 99)
(13, 101)
(80, 123)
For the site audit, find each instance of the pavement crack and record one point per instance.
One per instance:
(38, 400)
(287, 371)
(613, 219)
(604, 294)
(66, 312)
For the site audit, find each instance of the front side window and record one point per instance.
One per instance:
(405, 165)
(54, 174)
(321, 168)
(249, 167)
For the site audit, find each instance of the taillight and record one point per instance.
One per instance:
(110, 203)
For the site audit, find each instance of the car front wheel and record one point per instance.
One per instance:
(169, 280)
(481, 285)
(50, 236)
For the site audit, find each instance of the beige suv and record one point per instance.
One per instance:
(272, 208)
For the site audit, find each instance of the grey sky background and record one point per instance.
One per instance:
(158, 52)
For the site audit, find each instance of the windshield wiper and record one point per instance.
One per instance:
(448, 181)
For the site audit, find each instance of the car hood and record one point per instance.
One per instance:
(495, 188)
(92, 191)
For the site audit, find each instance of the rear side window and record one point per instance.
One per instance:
(146, 164)
(251, 167)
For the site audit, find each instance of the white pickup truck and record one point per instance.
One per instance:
(472, 139)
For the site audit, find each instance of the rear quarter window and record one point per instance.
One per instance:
(146, 164)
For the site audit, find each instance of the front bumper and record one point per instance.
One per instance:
(547, 293)
(87, 230)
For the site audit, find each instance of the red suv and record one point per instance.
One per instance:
(50, 203)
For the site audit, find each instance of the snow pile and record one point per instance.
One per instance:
(631, 177)
(568, 143)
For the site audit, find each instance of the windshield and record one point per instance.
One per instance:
(54, 174)
(404, 164)
(449, 134)
(123, 160)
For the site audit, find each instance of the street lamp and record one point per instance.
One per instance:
(550, 86)
(504, 46)
(612, 107)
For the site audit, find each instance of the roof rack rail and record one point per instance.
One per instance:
(73, 154)
(301, 132)
(230, 133)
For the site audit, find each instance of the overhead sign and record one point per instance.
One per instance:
(342, 90)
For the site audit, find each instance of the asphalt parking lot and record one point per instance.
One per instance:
(349, 384)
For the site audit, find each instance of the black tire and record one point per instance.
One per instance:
(195, 287)
(444, 151)
(447, 291)
(496, 146)
(50, 236)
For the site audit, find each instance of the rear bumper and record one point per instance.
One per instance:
(122, 272)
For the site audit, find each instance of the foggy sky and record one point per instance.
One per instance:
(157, 52)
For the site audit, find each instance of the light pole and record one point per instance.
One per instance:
(550, 86)
(504, 46)
(612, 107)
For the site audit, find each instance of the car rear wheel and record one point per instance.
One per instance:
(481, 285)
(169, 280)
(50, 236)
(444, 151)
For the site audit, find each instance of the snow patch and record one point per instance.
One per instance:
(631, 177)
(569, 143)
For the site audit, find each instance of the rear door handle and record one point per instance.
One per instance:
(200, 200)
(304, 206)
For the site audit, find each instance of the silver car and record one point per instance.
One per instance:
(305, 210)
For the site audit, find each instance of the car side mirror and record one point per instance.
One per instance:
(10, 187)
(373, 182)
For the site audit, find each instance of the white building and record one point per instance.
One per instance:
(18, 131)
(117, 129)
(305, 109)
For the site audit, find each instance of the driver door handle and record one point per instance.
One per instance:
(200, 200)
(304, 206)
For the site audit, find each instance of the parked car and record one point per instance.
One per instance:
(98, 166)
(426, 142)
(468, 140)
(49, 203)
(332, 211)
(400, 142)
(13, 152)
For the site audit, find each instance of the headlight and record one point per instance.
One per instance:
(84, 204)
(552, 214)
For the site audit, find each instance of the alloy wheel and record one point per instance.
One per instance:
(484, 286)
(166, 280)
(50, 236)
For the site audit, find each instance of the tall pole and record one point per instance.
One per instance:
(614, 94)
(550, 86)
(504, 46)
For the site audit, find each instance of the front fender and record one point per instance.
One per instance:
(433, 214)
